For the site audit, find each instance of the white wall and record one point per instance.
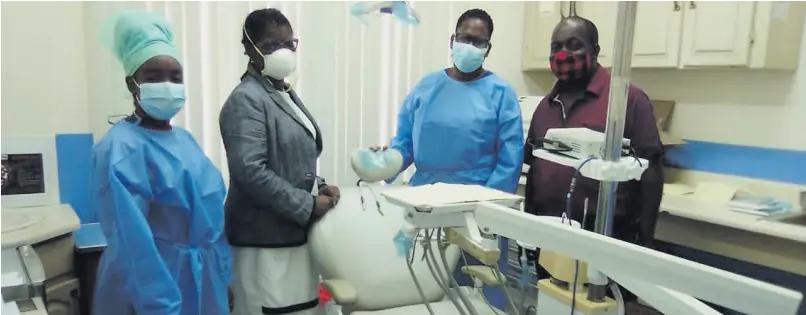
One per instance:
(46, 81)
(107, 95)
(45, 72)
(505, 56)
(44, 76)
(756, 108)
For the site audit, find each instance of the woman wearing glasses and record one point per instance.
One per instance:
(463, 124)
(272, 144)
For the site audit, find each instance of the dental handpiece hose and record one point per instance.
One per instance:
(441, 280)
(442, 254)
(614, 130)
(409, 262)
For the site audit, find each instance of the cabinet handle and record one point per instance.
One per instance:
(676, 6)
(692, 5)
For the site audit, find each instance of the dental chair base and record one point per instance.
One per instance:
(444, 307)
(344, 294)
(553, 299)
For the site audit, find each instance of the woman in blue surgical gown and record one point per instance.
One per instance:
(463, 124)
(159, 199)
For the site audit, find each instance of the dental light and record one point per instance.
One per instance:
(401, 10)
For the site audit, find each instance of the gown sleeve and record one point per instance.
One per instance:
(510, 144)
(224, 252)
(150, 286)
(403, 138)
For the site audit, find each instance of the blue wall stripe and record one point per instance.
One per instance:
(788, 166)
(74, 160)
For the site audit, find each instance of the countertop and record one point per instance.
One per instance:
(686, 207)
(89, 238)
(55, 221)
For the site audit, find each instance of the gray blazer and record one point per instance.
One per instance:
(272, 164)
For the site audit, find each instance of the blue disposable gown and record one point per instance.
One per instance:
(461, 132)
(160, 202)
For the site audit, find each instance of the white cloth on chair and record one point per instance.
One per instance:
(355, 244)
(275, 281)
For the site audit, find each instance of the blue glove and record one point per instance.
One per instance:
(403, 243)
(527, 273)
(373, 166)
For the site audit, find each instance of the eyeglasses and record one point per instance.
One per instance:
(477, 41)
(270, 47)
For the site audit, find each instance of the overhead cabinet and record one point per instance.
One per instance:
(681, 34)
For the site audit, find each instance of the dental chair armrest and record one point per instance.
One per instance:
(485, 274)
(341, 290)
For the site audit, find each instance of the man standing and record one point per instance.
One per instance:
(580, 99)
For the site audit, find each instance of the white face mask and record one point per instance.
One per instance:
(277, 65)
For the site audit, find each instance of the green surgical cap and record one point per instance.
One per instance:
(137, 36)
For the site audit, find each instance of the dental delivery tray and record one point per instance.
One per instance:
(448, 197)
(23, 274)
(626, 169)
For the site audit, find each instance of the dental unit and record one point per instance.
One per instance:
(582, 264)
(472, 217)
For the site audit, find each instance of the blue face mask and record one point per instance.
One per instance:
(163, 100)
(467, 58)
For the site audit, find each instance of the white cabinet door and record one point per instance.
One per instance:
(717, 33)
(658, 26)
(603, 15)
(540, 18)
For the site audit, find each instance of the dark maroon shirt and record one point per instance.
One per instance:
(548, 182)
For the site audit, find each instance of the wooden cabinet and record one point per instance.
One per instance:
(539, 21)
(757, 35)
(716, 33)
(656, 41)
(682, 34)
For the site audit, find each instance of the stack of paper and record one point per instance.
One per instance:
(761, 206)
(441, 194)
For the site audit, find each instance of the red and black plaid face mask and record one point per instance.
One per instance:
(569, 66)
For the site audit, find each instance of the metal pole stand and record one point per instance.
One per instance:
(614, 131)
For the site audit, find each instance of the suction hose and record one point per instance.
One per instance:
(417, 283)
(444, 257)
(433, 266)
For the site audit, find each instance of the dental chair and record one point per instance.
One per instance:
(361, 267)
